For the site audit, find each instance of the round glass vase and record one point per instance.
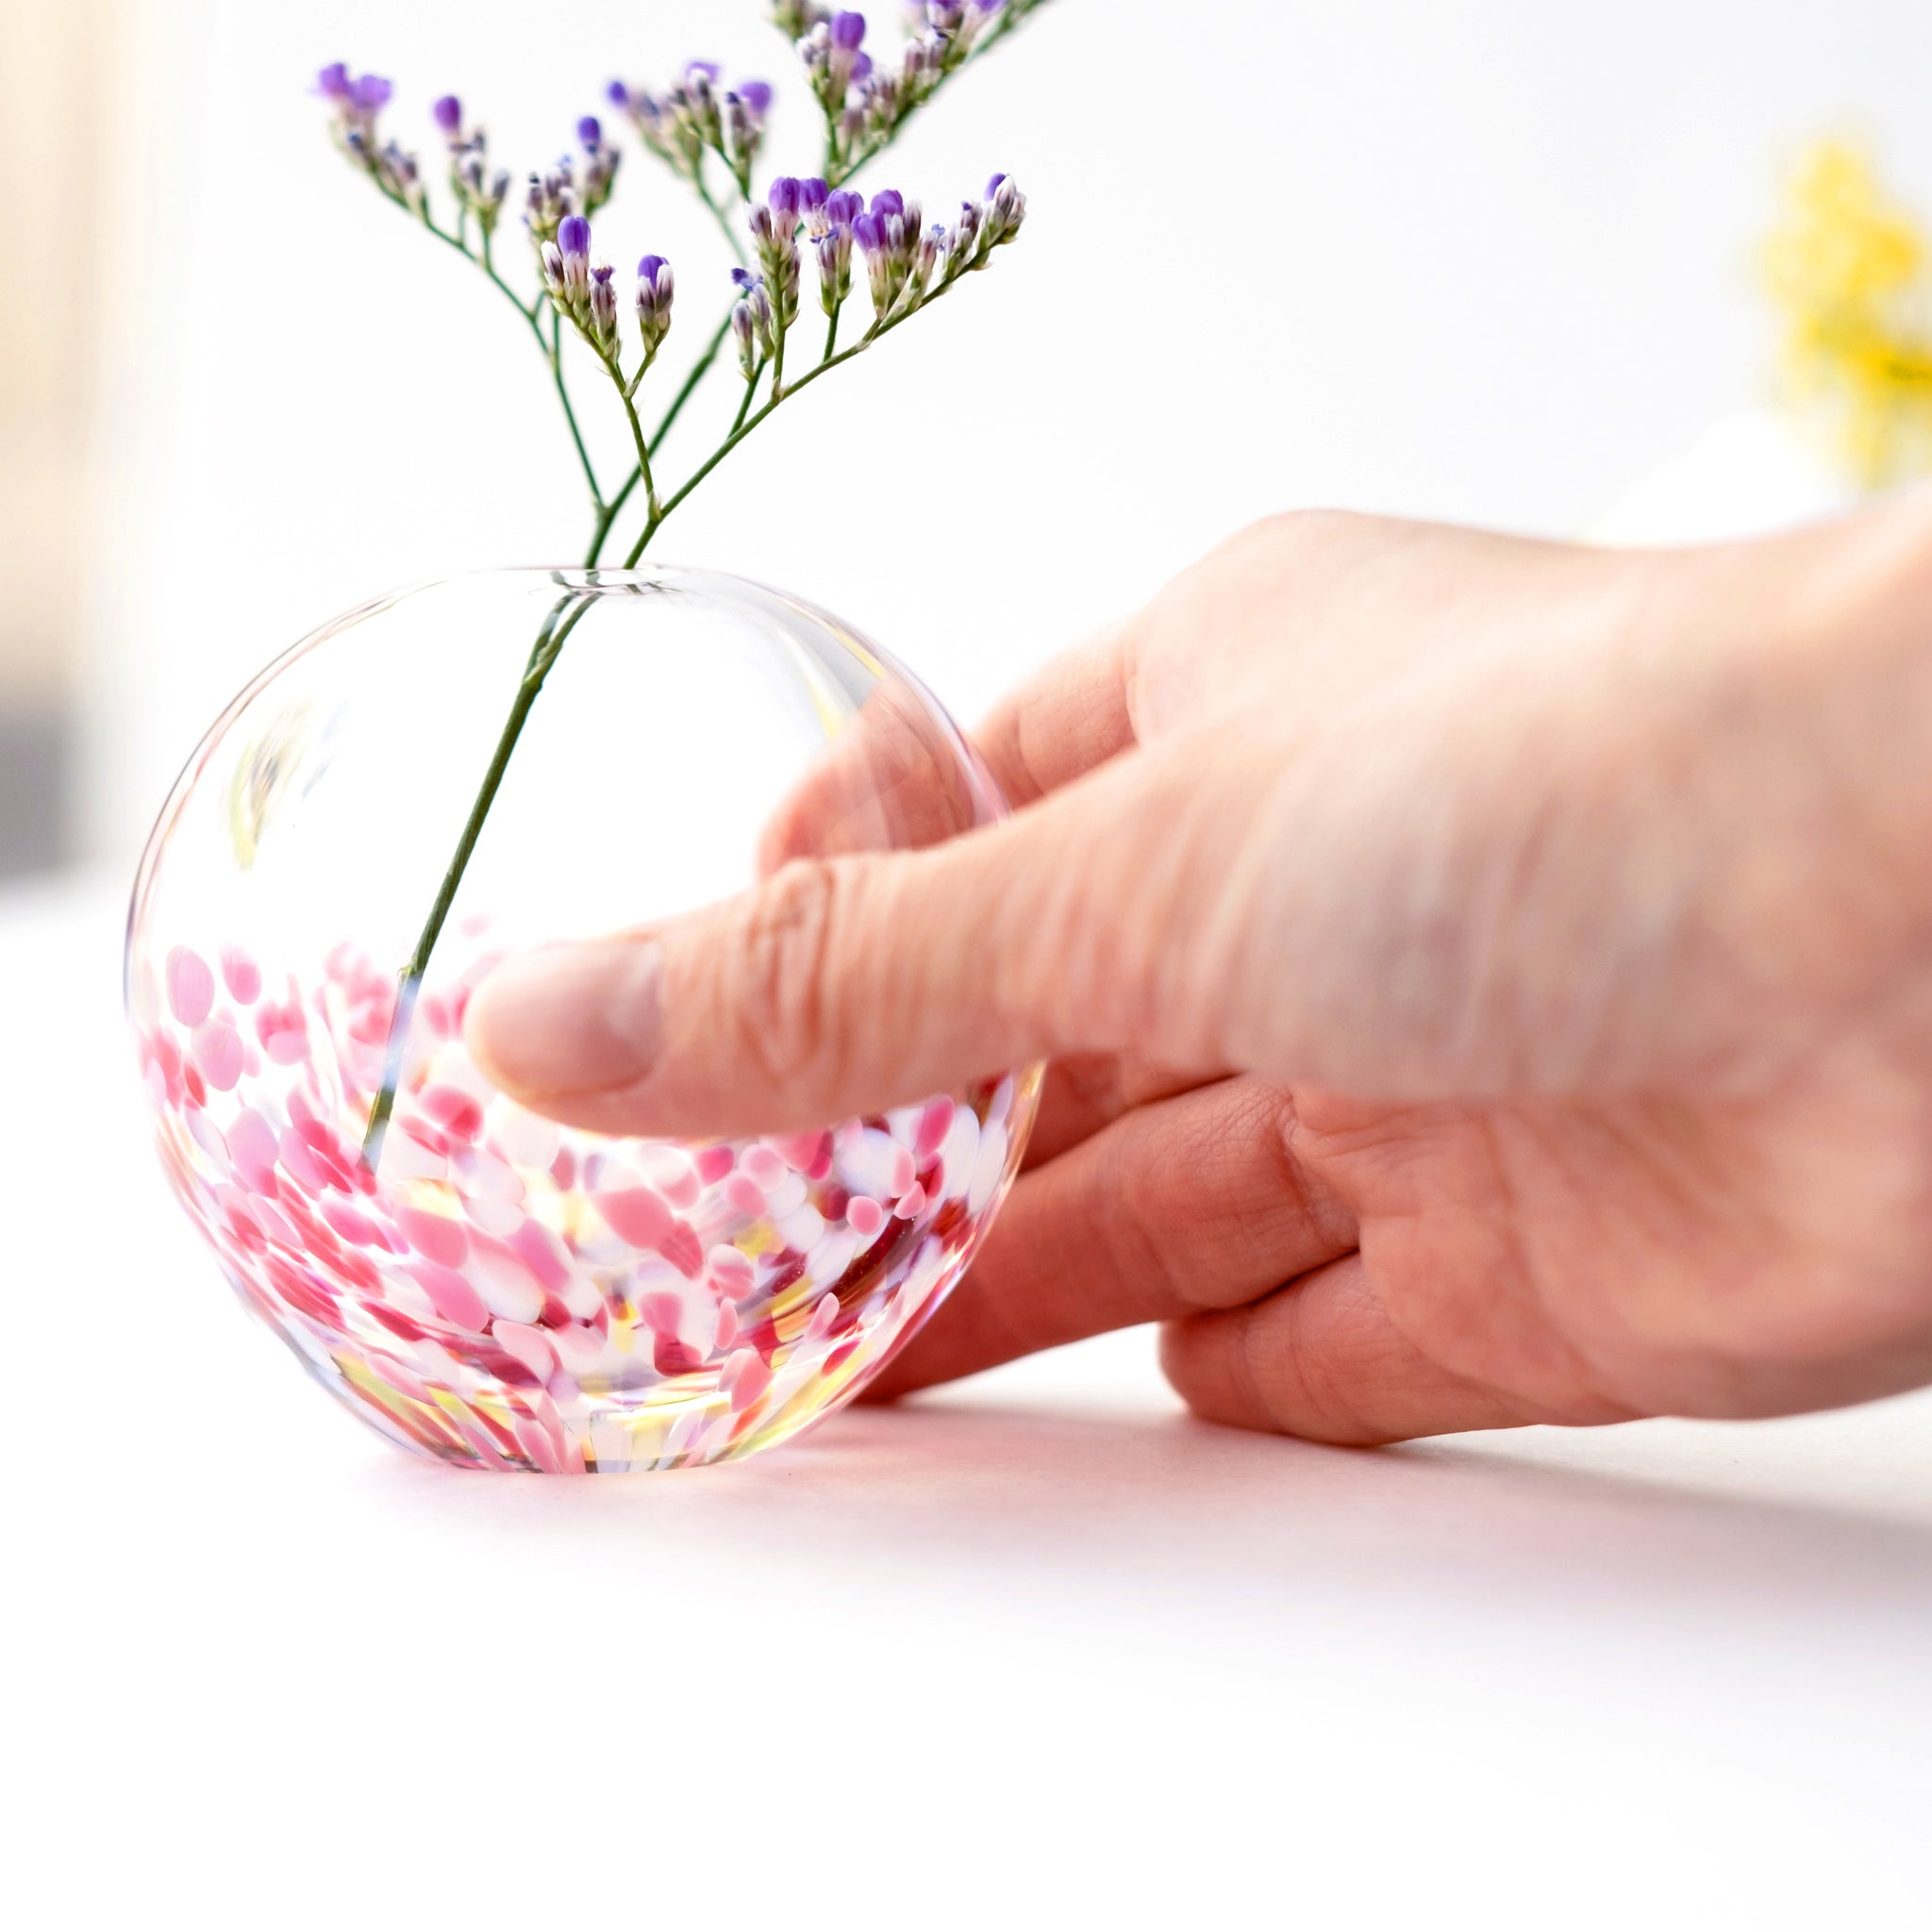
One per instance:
(491, 1290)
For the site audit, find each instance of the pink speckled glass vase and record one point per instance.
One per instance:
(498, 1292)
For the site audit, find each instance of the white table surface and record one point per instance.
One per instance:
(1038, 1651)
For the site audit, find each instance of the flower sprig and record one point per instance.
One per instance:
(691, 117)
(907, 266)
(866, 101)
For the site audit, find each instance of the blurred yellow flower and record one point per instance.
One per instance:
(1848, 266)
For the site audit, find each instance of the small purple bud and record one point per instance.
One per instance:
(756, 95)
(448, 114)
(861, 68)
(590, 132)
(843, 207)
(705, 70)
(648, 268)
(992, 187)
(617, 94)
(333, 83)
(761, 225)
(812, 194)
(869, 231)
(573, 235)
(784, 197)
(848, 30)
(373, 92)
(889, 201)
(742, 279)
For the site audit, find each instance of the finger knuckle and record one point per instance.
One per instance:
(782, 1013)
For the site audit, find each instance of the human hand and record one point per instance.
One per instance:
(1484, 983)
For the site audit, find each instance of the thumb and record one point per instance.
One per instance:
(846, 985)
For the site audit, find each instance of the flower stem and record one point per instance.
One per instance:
(747, 424)
(636, 437)
(718, 215)
(700, 370)
(543, 654)
(570, 415)
(751, 389)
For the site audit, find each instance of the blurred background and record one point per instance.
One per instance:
(1486, 260)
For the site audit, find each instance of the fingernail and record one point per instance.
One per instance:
(569, 1019)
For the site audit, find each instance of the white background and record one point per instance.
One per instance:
(1039, 1652)
(1477, 258)
(1035, 1652)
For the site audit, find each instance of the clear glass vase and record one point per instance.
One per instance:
(493, 1291)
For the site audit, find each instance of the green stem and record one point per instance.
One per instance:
(718, 215)
(533, 318)
(671, 415)
(831, 335)
(543, 654)
(570, 415)
(691, 381)
(746, 424)
(751, 389)
(636, 436)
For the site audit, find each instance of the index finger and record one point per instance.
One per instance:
(881, 782)
(1072, 716)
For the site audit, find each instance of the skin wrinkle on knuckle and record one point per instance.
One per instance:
(779, 1011)
(1254, 1187)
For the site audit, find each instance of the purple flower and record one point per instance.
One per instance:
(706, 70)
(333, 83)
(861, 68)
(764, 320)
(448, 115)
(843, 207)
(889, 201)
(869, 231)
(812, 197)
(574, 236)
(848, 30)
(1005, 210)
(741, 280)
(756, 95)
(602, 303)
(373, 92)
(835, 268)
(617, 94)
(654, 302)
(784, 197)
(590, 131)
